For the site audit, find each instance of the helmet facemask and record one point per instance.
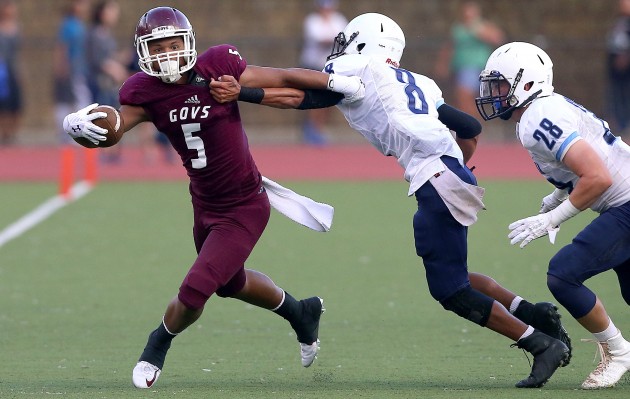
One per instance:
(340, 44)
(168, 66)
(496, 95)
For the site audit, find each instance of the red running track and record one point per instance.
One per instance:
(279, 162)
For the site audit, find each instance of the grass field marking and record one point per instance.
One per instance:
(43, 211)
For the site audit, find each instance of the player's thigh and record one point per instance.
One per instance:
(441, 242)
(225, 240)
(602, 245)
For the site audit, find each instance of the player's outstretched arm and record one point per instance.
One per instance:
(351, 87)
(227, 89)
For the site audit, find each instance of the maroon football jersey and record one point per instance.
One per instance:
(207, 135)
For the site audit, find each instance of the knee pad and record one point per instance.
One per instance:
(470, 304)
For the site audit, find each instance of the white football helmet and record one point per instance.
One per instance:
(528, 71)
(159, 23)
(372, 34)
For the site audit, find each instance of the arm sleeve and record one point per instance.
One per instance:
(319, 99)
(464, 125)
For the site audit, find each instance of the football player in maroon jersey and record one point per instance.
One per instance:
(230, 205)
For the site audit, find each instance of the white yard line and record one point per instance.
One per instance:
(43, 211)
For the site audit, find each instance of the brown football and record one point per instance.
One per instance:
(112, 122)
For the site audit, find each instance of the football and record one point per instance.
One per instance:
(112, 122)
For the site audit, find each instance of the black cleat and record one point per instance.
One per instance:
(545, 317)
(549, 354)
(307, 328)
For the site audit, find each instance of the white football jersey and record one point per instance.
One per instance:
(551, 125)
(398, 115)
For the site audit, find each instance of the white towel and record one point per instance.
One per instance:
(463, 200)
(300, 209)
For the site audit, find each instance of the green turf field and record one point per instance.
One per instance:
(80, 293)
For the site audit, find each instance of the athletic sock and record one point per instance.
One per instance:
(530, 330)
(515, 302)
(158, 344)
(289, 308)
(524, 312)
(608, 333)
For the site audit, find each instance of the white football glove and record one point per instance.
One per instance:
(533, 227)
(529, 229)
(552, 200)
(79, 124)
(352, 87)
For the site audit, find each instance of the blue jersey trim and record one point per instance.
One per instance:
(566, 143)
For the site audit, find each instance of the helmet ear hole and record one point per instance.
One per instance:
(360, 47)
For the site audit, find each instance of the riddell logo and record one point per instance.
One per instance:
(390, 62)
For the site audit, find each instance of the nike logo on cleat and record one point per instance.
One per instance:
(150, 382)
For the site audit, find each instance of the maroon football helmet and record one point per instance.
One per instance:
(160, 23)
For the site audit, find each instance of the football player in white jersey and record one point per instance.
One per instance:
(404, 115)
(590, 168)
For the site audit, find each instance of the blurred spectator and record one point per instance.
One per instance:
(618, 71)
(320, 29)
(464, 56)
(10, 87)
(69, 64)
(106, 71)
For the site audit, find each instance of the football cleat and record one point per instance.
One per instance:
(613, 364)
(145, 375)
(309, 353)
(545, 317)
(307, 328)
(549, 354)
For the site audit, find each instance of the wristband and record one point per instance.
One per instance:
(562, 213)
(251, 95)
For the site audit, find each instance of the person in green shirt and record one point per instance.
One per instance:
(464, 55)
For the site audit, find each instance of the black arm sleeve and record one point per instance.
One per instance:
(464, 125)
(319, 99)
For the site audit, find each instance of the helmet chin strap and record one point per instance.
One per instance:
(507, 114)
(171, 69)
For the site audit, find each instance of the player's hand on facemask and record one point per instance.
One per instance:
(79, 124)
(352, 87)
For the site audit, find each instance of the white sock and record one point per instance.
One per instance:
(608, 333)
(515, 302)
(527, 333)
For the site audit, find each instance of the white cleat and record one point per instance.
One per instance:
(309, 353)
(145, 375)
(613, 364)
